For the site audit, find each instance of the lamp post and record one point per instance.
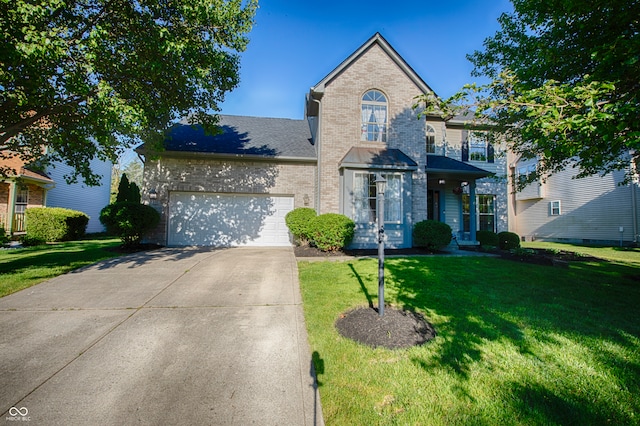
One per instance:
(380, 187)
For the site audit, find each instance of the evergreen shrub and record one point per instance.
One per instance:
(431, 234)
(508, 240)
(331, 231)
(487, 238)
(129, 221)
(298, 221)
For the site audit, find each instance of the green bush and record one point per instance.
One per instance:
(508, 241)
(431, 234)
(28, 241)
(4, 238)
(331, 231)
(298, 221)
(129, 221)
(55, 224)
(487, 238)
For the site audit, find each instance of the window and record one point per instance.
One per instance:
(431, 139)
(374, 117)
(554, 208)
(486, 216)
(22, 196)
(364, 198)
(477, 147)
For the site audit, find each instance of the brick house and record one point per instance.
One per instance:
(26, 188)
(234, 188)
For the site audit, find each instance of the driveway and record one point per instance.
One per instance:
(173, 336)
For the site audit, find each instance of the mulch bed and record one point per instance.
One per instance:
(396, 329)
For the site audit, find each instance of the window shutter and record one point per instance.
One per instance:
(490, 153)
(465, 145)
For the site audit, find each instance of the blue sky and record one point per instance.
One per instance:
(294, 44)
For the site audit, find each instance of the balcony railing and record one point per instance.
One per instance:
(18, 222)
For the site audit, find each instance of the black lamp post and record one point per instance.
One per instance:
(380, 187)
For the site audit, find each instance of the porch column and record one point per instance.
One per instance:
(12, 206)
(472, 210)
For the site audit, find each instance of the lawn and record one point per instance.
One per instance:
(517, 344)
(24, 267)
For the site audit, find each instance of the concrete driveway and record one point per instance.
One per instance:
(173, 336)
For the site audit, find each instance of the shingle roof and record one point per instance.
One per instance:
(439, 163)
(241, 135)
(378, 157)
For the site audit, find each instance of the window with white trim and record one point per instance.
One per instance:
(477, 148)
(430, 139)
(485, 212)
(364, 197)
(374, 116)
(554, 208)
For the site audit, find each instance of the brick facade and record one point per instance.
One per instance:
(297, 179)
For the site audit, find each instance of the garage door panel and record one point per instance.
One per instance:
(228, 220)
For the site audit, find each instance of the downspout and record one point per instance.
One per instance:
(634, 209)
(318, 161)
(472, 210)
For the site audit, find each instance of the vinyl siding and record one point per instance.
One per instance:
(592, 209)
(87, 199)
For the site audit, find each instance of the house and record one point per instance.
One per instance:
(26, 188)
(235, 188)
(593, 209)
(48, 188)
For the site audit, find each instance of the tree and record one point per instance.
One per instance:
(564, 88)
(88, 79)
(127, 191)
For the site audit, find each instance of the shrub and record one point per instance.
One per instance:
(28, 241)
(508, 241)
(487, 238)
(298, 221)
(127, 191)
(4, 238)
(431, 234)
(55, 224)
(331, 231)
(129, 221)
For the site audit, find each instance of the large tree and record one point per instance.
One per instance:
(565, 85)
(88, 78)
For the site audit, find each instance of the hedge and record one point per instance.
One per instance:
(508, 240)
(55, 224)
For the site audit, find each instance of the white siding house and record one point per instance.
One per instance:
(77, 196)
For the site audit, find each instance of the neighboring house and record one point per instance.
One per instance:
(235, 188)
(594, 209)
(31, 188)
(77, 196)
(26, 188)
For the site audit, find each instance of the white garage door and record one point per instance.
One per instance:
(205, 219)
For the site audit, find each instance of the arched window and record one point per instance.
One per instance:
(431, 139)
(374, 116)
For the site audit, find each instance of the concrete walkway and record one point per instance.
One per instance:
(173, 336)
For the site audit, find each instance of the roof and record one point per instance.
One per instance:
(383, 158)
(245, 136)
(13, 161)
(317, 90)
(441, 164)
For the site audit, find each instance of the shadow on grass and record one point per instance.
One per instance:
(591, 305)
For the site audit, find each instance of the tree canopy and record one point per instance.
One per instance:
(565, 86)
(86, 79)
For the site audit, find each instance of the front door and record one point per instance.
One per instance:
(433, 205)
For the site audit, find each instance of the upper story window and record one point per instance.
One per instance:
(374, 117)
(477, 147)
(431, 139)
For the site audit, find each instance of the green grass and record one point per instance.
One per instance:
(625, 255)
(24, 267)
(517, 344)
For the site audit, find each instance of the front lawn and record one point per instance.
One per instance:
(24, 267)
(517, 344)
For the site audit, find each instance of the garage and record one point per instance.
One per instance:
(225, 220)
